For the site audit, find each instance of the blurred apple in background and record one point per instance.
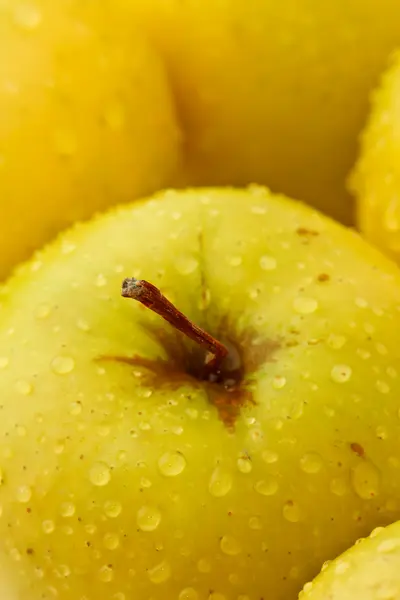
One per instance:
(273, 92)
(124, 475)
(86, 118)
(368, 571)
(376, 177)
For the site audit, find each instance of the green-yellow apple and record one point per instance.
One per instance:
(125, 474)
(367, 571)
(273, 91)
(376, 177)
(86, 118)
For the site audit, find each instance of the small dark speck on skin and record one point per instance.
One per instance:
(323, 277)
(303, 231)
(29, 551)
(357, 449)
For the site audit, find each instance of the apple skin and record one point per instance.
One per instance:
(273, 92)
(104, 464)
(375, 178)
(86, 118)
(367, 571)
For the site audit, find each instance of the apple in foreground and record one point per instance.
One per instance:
(367, 571)
(376, 177)
(127, 474)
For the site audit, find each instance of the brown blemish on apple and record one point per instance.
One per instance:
(229, 390)
(308, 233)
(323, 277)
(357, 449)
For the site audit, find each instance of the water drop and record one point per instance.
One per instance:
(255, 523)
(336, 342)
(100, 280)
(67, 509)
(389, 545)
(268, 263)
(311, 463)
(42, 311)
(111, 541)
(75, 408)
(27, 16)
(203, 566)
(365, 479)
(100, 474)
(4, 362)
(188, 594)
(361, 303)
(24, 493)
(83, 325)
(382, 387)
(339, 487)
(48, 526)
(305, 306)
(63, 571)
(229, 545)
(160, 573)
(171, 464)
(23, 387)
(341, 373)
(106, 574)
(148, 518)
(267, 487)
(235, 261)
(244, 464)
(278, 382)
(62, 365)
(291, 512)
(220, 483)
(269, 457)
(186, 264)
(112, 509)
(381, 432)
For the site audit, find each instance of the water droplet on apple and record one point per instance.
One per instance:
(382, 387)
(90, 528)
(112, 509)
(62, 365)
(42, 311)
(27, 16)
(244, 464)
(235, 261)
(203, 565)
(304, 305)
(336, 342)
(389, 545)
(106, 574)
(148, 518)
(278, 382)
(48, 526)
(23, 387)
(339, 487)
(255, 523)
(75, 408)
(311, 462)
(220, 483)
(267, 487)
(381, 432)
(160, 573)
(171, 464)
(15, 554)
(4, 362)
(67, 509)
(341, 373)
(100, 474)
(63, 571)
(291, 511)
(24, 493)
(269, 457)
(188, 594)
(111, 541)
(268, 263)
(366, 479)
(100, 280)
(83, 325)
(186, 264)
(229, 545)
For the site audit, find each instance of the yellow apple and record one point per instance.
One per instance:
(367, 571)
(124, 474)
(376, 177)
(86, 118)
(271, 91)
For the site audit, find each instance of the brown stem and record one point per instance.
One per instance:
(151, 297)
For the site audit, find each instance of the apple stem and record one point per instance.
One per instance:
(150, 296)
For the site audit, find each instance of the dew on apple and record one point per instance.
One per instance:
(268, 263)
(24, 493)
(160, 573)
(255, 523)
(339, 487)
(244, 464)
(203, 565)
(42, 311)
(112, 509)
(62, 365)
(311, 462)
(63, 571)
(341, 373)
(106, 574)
(23, 387)
(111, 541)
(269, 456)
(304, 305)
(220, 483)
(15, 554)
(67, 509)
(230, 546)
(83, 325)
(235, 261)
(148, 518)
(278, 382)
(291, 511)
(267, 486)
(48, 526)
(100, 280)
(366, 480)
(336, 342)
(188, 594)
(171, 464)
(186, 264)
(382, 386)
(75, 408)
(381, 432)
(389, 545)
(27, 16)
(100, 474)
(4, 361)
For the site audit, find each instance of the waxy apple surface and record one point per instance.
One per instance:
(123, 476)
(367, 571)
(376, 177)
(86, 118)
